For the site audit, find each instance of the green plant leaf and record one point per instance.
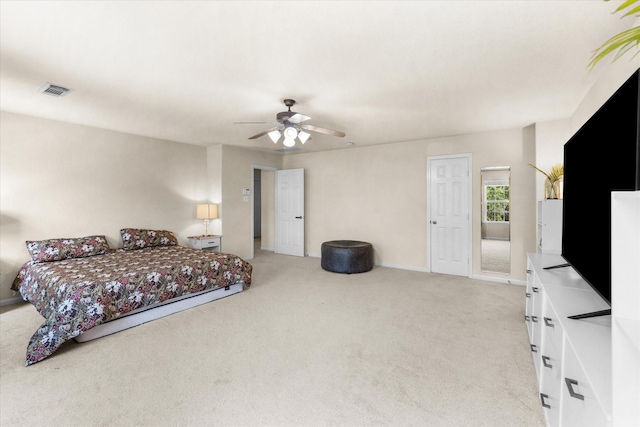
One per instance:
(625, 5)
(632, 11)
(621, 42)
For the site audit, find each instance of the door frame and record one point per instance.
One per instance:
(253, 174)
(469, 158)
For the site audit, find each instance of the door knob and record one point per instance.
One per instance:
(298, 217)
(434, 222)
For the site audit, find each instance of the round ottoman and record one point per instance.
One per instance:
(347, 256)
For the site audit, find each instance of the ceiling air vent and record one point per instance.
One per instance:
(54, 90)
(288, 150)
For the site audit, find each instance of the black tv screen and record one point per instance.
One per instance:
(603, 156)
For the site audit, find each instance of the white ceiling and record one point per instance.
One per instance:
(380, 71)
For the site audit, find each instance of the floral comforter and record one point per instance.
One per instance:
(74, 295)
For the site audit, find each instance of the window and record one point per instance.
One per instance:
(496, 201)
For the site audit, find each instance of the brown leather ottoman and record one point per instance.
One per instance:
(346, 256)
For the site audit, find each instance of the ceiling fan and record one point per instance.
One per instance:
(289, 124)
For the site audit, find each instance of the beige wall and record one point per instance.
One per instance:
(378, 194)
(268, 210)
(235, 213)
(65, 180)
(550, 138)
(611, 77)
(214, 181)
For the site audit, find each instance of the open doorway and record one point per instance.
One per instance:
(263, 210)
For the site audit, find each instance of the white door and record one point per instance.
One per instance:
(290, 212)
(449, 216)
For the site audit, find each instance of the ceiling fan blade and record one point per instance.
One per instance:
(298, 118)
(263, 133)
(331, 132)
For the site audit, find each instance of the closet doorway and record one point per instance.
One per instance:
(263, 209)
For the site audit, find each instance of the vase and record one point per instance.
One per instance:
(552, 190)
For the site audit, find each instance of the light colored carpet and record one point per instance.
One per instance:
(301, 347)
(496, 256)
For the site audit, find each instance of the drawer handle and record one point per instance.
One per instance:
(547, 321)
(528, 295)
(542, 398)
(544, 362)
(535, 290)
(534, 348)
(534, 318)
(526, 318)
(570, 383)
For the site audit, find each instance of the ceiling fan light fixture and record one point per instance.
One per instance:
(274, 135)
(289, 124)
(290, 133)
(303, 136)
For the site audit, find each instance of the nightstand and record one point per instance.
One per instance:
(209, 243)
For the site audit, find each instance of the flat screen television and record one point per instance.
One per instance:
(603, 156)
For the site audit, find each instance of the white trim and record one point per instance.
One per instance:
(500, 280)
(10, 301)
(424, 270)
(469, 157)
(404, 267)
(397, 266)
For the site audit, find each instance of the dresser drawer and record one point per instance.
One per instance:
(551, 329)
(580, 407)
(211, 243)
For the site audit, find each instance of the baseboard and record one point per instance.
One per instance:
(10, 301)
(405, 267)
(425, 270)
(500, 280)
(399, 267)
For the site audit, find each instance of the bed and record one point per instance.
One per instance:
(86, 290)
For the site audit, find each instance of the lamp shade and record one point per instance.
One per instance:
(208, 211)
(274, 135)
(303, 136)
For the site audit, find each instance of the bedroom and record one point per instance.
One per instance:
(107, 177)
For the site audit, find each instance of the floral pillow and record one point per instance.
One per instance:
(59, 249)
(135, 238)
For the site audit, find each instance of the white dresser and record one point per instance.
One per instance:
(572, 358)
